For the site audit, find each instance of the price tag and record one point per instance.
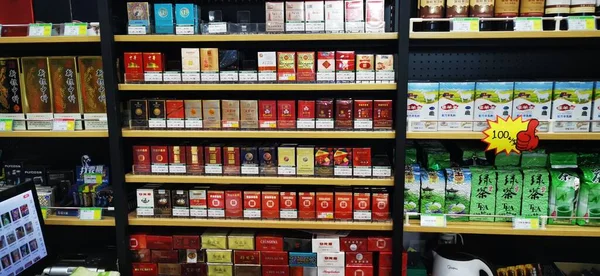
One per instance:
(508, 135)
(248, 76)
(217, 28)
(172, 77)
(177, 168)
(382, 171)
(177, 212)
(41, 29)
(433, 220)
(342, 171)
(153, 77)
(231, 124)
(75, 29)
(363, 124)
(145, 211)
(324, 124)
(175, 123)
(90, 213)
(251, 213)
(385, 76)
(6, 124)
(268, 76)
(315, 26)
(157, 123)
(190, 77)
(249, 170)
(136, 30)
(465, 24)
(268, 124)
(526, 223)
(44, 213)
(210, 77)
(198, 213)
(208, 169)
(344, 76)
(528, 24)
(193, 123)
(63, 125)
(92, 178)
(229, 76)
(362, 171)
(159, 168)
(582, 23)
(365, 76)
(216, 213)
(362, 215)
(305, 124)
(184, 30)
(288, 214)
(286, 171)
(325, 76)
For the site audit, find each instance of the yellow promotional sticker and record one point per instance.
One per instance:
(511, 135)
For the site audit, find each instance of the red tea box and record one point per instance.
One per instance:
(324, 114)
(330, 271)
(137, 241)
(134, 67)
(384, 271)
(361, 162)
(165, 256)
(363, 114)
(252, 204)
(198, 203)
(306, 114)
(233, 204)
(246, 257)
(326, 244)
(186, 242)
(216, 204)
(141, 159)
(270, 205)
(306, 205)
(286, 114)
(288, 207)
(159, 242)
(267, 114)
(353, 244)
(381, 204)
(196, 269)
(359, 270)
(382, 114)
(141, 256)
(213, 160)
(274, 258)
(343, 114)
(144, 269)
(380, 244)
(153, 62)
(359, 258)
(269, 243)
(286, 66)
(330, 259)
(195, 159)
(306, 66)
(385, 259)
(343, 205)
(342, 162)
(375, 19)
(362, 204)
(231, 156)
(325, 205)
(275, 270)
(345, 65)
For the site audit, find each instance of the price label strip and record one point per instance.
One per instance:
(511, 135)
(75, 29)
(6, 124)
(433, 220)
(63, 125)
(90, 213)
(582, 23)
(465, 24)
(528, 24)
(41, 29)
(526, 223)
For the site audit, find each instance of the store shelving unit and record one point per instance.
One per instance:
(504, 35)
(479, 135)
(255, 37)
(258, 134)
(258, 87)
(50, 39)
(504, 228)
(54, 134)
(75, 221)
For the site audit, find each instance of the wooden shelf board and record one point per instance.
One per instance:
(504, 35)
(274, 224)
(254, 37)
(74, 221)
(505, 228)
(51, 39)
(259, 87)
(479, 135)
(258, 134)
(259, 180)
(54, 134)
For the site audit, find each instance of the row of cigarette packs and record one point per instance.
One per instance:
(220, 252)
(211, 65)
(466, 106)
(280, 160)
(47, 88)
(341, 204)
(293, 16)
(326, 114)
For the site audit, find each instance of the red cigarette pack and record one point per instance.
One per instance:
(213, 155)
(343, 114)
(359, 270)
(175, 109)
(159, 242)
(233, 204)
(286, 114)
(275, 270)
(343, 205)
(324, 109)
(141, 159)
(267, 114)
(144, 269)
(362, 204)
(134, 67)
(270, 205)
(153, 62)
(359, 259)
(363, 110)
(351, 244)
(246, 257)
(252, 204)
(306, 109)
(381, 204)
(384, 271)
(269, 243)
(325, 205)
(274, 257)
(177, 155)
(380, 244)
(288, 206)
(195, 159)
(306, 206)
(141, 256)
(362, 157)
(385, 259)
(286, 66)
(345, 61)
(306, 66)
(137, 241)
(382, 114)
(186, 242)
(232, 161)
(216, 204)
(165, 256)
(159, 154)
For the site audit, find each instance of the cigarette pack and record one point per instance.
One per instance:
(286, 114)
(177, 160)
(268, 160)
(190, 60)
(160, 159)
(306, 114)
(229, 64)
(359, 270)
(326, 66)
(326, 244)
(304, 160)
(343, 205)
(219, 256)
(198, 203)
(145, 208)
(273, 258)
(211, 110)
(286, 65)
(216, 204)
(162, 204)
(385, 259)
(154, 62)
(306, 65)
(163, 18)
(247, 270)
(252, 204)
(382, 114)
(209, 60)
(141, 256)
(267, 66)
(134, 67)
(249, 160)
(365, 71)
(249, 114)
(231, 114)
(326, 259)
(270, 205)
(241, 240)
(271, 270)
(157, 114)
(294, 16)
(187, 14)
(144, 269)
(66, 95)
(137, 241)
(141, 159)
(274, 12)
(381, 204)
(354, 18)
(324, 114)
(195, 160)
(220, 269)
(186, 242)
(195, 269)
(363, 114)
(164, 256)
(303, 259)
(362, 162)
(325, 206)
(334, 16)
(175, 114)
(297, 244)
(324, 162)
(244, 257)
(353, 244)
(288, 208)
(384, 69)
(38, 92)
(375, 19)
(214, 239)
(362, 204)
(342, 162)
(159, 242)
(269, 243)
(359, 259)
(286, 159)
(306, 206)
(267, 114)
(93, 92)
(343, 114)
(233, 204)
(303, 270)
(138, 14)
(345, 65)
(193, 114)
(314, 13)
(379, 244)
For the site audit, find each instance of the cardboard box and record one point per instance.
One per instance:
(141, 159)
(297, 244)
(270, 270)
(324, 162)
(165, 256)
(381, 204)
(422, 106)
(330, 259)
(343, 114)
(304, 159)
(247, 270)
(198, 203)
(571, 105)
(63, 79)
(232, 162)
(246, 257)
(252, 204)
(231, 114)
(143, 269)
(354, 16)
(141, 256)
(249, 114)
(302, 259)
(233, 204)
(286, 114)
(294, 16)
(186, 242)
(314, 14)
(306, 63)
(197, 269)
(214, 239)
(220, 269)
(324, 109)
(359, 270)
(274, 17)
(326, 244)
(288, 208)
(353, 244)
(343, 205)
(334, 16)
(159, 242)
(532, 100)
(216, 204)
(359, 259)
(286, 64)
(211, 110)
(162, 203)
(190, 60)
(269, 243)
(325, 205)
(330, 271)
(138, 241)
(270, 205)
(379, 244)
(241, 240)
(273, 257)
(195, 160)
(267, 114)
(306, 206)
(456, 102)
(362, 205)
(492, 99)
(219, 256)
(181, 203)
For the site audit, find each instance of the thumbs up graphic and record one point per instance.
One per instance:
(526, 139)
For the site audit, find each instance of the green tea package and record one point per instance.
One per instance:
(504, 160)
(474, 157)
(564, 187)
(509, 193)
(412, 188)
(536, 183)
(410, 154)
(588, 205)
(433, 191)
(587, 159)
(458, 193)
(483, 192)
(563, 160)
(534, 159)
(437, 159)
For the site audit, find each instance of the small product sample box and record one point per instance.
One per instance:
(286, 160)
(422, 106)
(134, 67)
(138, 17)
(343, 114)
(456, 102)
(270, 205)
(571, 106)
(325, 203)
(231, 156)
(211, 110)
(267, 114)
(286, 114)
(362, 162)
(492, 99)
(177, 159)
(533, 100)
(252, 204)
(294, 16)
(306, 210)
(288, 208)
(249, 114)
(231, 114)
(324, 116)
(342, 162)
(160, 159)
(363, 114)
(187, 19)
(145, 202)
(249, 161)
(157, 117)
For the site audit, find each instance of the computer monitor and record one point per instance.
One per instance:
(22, 245)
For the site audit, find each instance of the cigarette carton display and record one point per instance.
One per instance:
(354, 16)
(326, 66)
(241, 240)
(362, 204)
(306, 206)
(294, 16)
(381, 204)
(363, 114)
(267, 114)
(286, 159)
(177, 159)
(334, 16)
(326, 244)
(195, 160)
(382, 114)
(331, 271)
(213, 160)
(492, 99)
(314, 13)
(324, 114)
(325, 203)
(270, 205)
(249, 159)
(211, 110)
(365, 69)
(244, 257)
(198, 203)
(252, 204)
(572, 102)
(233, 204)
(93, 92)
(533, 100)
(362, 162)
(286, 65)
(175, 113)
(375, 19)
(231, 114)
(422, 106)
(214, 239)
(38, 93)
(190, 65)
(286, 114)
(163, 19)
(145, 202)
(304, 160)
(209, 61)
(343, 205)
(353, 244)
(274, 17)
(138, 14)
(456, 102)
(330, 259)
(66, 97)
(269, 243)
(160, 159)
(302, 259)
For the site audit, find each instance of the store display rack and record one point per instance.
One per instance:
(479, 135)
(50, 39)
(54, 134)
(256, 37)
(258, 134)
(258, 87)
(75, 221)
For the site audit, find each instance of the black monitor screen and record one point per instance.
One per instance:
(21, 239)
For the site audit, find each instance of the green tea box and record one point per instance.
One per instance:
(572, 105)
(412, 188)
(492, 99)
(433, 191)
(564, 187)
(509, 192)
(536, 183)
(483, 191)
(533, 100)
(588, 206)
(458, 193)
(422, 106)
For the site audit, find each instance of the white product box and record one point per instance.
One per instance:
(533, 100)
(314, 14)
(294, 16)
(596, 108)
(145, 202)
(330, 259)
(334, 16)
(571, 106)
(330, 271)
(375, 16)
(326, 244)
(190, 60)
(354, 16)
(274, 17)
(492, 99)
(456, 106)
(267, 66)
(422, 106)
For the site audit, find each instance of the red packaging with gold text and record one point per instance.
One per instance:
(351, 244)
(273, 258)
(363, 114)
(359, 270)
(345, 61)
(306, 205)
(270, 205)
(359, 259)
(381, 204)
(144, 269)
(165, 256)
(246, 257)
(286, 114)
(134, 67)
(175, 109)
(343, 114)
(379, 244)
(306, 66)
(252, 204)
(286, 66)
(141, 159)
(233, 204)
(195, 159)
(382, 114)
(231, 160)
(343, 205)
(177, 155)
(216, 204)
(288, 208)
(275, 270)
(153, 62)
(306, 110)
(267, 114)
(159, 242)
(269, 243)
(325, 205)
(160, 155)
(186, 242)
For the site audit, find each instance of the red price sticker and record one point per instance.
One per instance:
(508, 135)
